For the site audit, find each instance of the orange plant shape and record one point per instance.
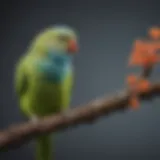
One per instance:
(133, 99)
(150, 59)
(143, 86)
(136, 86)
(144, 54)
(154, 33)
(131, 79)
(138, 50)
(134, 102)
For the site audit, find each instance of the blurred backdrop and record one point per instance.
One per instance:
(107, 30)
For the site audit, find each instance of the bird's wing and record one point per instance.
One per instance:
(21, 83)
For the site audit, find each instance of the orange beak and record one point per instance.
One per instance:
(72, 46)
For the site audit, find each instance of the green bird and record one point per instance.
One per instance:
(44, 79)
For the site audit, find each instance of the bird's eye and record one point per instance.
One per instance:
(63, 38)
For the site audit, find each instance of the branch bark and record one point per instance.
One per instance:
(16, 135)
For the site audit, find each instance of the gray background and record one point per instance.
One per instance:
(107, 30)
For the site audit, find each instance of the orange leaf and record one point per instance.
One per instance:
(138, 54)
(150, 59)
(154, 32)
(131, 79)
(144, 53)
(144, 86)
(134, 102)
(135, 59)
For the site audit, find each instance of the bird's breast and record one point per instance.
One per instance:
(55, 70)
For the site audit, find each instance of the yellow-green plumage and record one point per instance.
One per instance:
(37, 96)
(41, 96)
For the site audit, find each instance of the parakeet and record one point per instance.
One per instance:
(44, 78)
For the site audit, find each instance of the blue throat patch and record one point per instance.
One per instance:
(56, 67)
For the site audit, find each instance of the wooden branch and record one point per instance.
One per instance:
(16, 135)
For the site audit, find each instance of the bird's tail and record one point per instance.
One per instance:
(44, 147)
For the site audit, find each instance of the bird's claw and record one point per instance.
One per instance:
(34, 119)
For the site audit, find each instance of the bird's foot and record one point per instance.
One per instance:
(34, 119)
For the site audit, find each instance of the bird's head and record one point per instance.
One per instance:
(60, 39)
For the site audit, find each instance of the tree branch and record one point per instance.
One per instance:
(16, 135)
